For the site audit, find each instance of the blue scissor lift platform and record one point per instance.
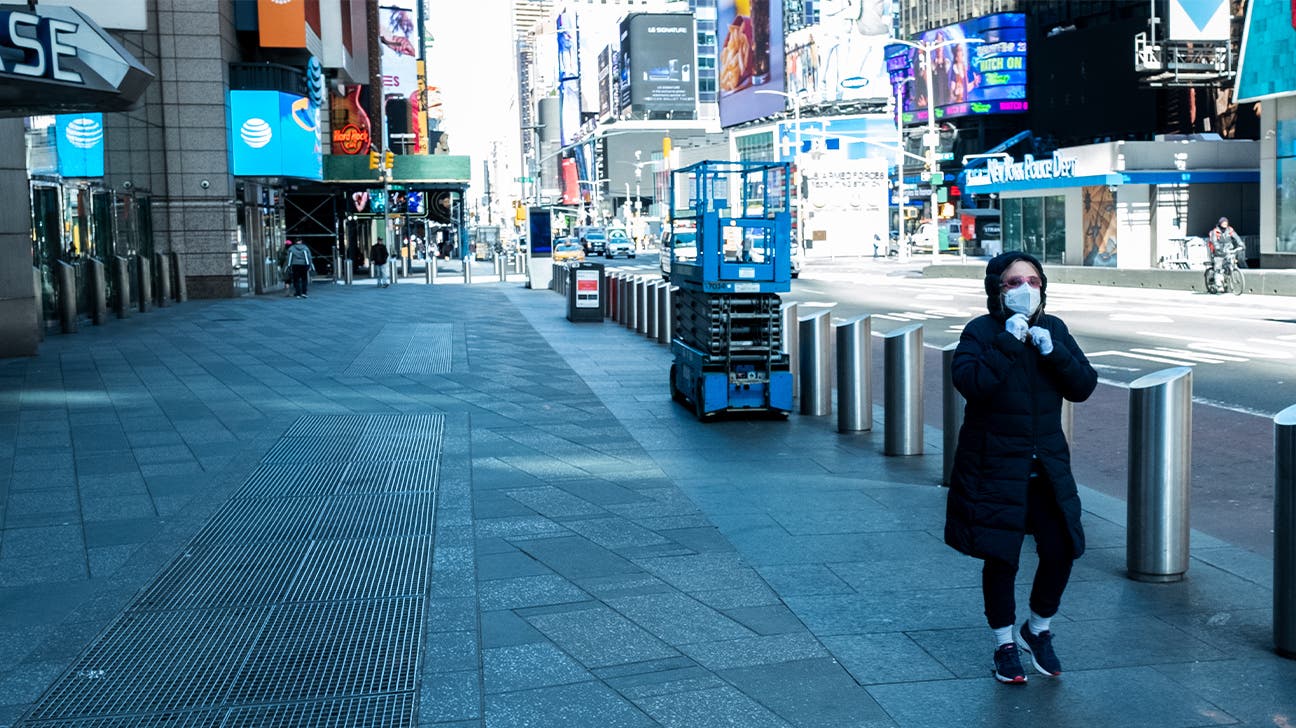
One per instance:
(727, 332)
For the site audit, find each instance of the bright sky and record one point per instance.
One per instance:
(472, 60)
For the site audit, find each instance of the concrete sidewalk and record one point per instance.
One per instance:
(222, 514)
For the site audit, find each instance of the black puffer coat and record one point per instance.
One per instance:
(1014, 404)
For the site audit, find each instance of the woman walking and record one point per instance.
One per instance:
(1012, 469)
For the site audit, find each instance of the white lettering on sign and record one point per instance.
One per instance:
(1029, 168)
(666, 29)
(41, 44)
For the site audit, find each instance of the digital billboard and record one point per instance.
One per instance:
(981, 69)
(658, 51)
(841, 58)
(399, 38)
(751, 59)
(1263, 40)
(79, 139)
(274, 134)
(569, 106)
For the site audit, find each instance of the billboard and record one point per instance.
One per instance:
(605, 82)
(750, 38)
(659, 62)
(569, 108)
(398, 21)
(281, 23)
(984, 76)
(842, 58)
(274, 134)
(79, 139)
(1264, 40)
(1200, 20)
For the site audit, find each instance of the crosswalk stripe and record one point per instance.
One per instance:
(1145, 357)
(1194, 356)
(1219, 346)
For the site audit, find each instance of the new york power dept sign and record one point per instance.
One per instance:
(56, 60)
(999, 170)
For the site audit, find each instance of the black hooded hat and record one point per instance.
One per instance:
(993, 282)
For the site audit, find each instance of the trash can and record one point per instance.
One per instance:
(584, 292)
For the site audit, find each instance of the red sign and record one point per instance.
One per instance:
(351, 139)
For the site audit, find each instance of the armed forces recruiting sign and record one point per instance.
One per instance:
(56, 60)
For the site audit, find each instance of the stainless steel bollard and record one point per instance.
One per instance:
(405, 264)
(162, 288)
(502, 269)
(1068, 421)
(902, 383)
(632, 310)
(348, 270)
(654, 316)
(467, 270)
(815, 352)
(641, 311)
(430, 272)
(789, 328)
(614, 296)
(854, 385)
(337, 268)
(121, 280)
(143, 283)
(623, 300)
(1160, 463)
(97, 282)
(1284, 574)
(663, 312)
(65, 278)
(179, 283)
(952, 403)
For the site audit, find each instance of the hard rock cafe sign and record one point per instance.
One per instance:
(351, 139)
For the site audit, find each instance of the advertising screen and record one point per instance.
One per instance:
(399, 38)
(568, 78)
(980, 70)
(274, 134)
(841, 58)
(751, 59)
(79, 139)
(662, 63)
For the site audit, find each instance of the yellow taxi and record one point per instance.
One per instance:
(566, 249)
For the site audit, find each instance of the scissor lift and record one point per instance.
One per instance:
(727, 333)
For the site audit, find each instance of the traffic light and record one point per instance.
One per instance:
(373, 160)
(389, 160)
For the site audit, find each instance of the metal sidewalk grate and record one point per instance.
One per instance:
(401, 349)
(300, 603)
(330, 649)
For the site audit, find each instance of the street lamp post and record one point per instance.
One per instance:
(903, 252)
(796, 154)
(931, 139)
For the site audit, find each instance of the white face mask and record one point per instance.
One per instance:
(1023, 299)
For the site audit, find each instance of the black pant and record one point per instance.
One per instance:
(300, 279)
(1044, 520)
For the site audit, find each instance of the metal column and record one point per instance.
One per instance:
(348, 270)
(144, 283)
(952, 403)
(854, 385)
(902, 380)
(1284, 566)
(789, 327)
(1160, 462)
(121, 279)
(430, 272)
(664, 303)
(65, 276)
(815, 350)
(654, 314)
(98, 290)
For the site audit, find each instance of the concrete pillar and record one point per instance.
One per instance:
(20, 300)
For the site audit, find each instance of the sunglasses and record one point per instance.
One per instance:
(1015, 281)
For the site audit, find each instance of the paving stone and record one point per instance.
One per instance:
(814, 693)
(760, 650)
(553, 502)
(450, 696)
(532, 665)
(770, 619)
(583, 705)
(615, 533)
(715, 707)
(576, 557)
(677, 619)
(803, 580)
(600, 637)
(509, 564)
(450, 652)
(893, 657)
(1266, 697)
(504, 628)
(528, 591)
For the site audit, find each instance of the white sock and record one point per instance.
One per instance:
(1038, 624)
(1003, 636)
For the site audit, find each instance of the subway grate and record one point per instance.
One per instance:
(300, 603)
(405, 349)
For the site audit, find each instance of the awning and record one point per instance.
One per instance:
(1140, 177)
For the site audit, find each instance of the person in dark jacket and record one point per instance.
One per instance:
(378, 256)
(1012, 468)
(301, 264)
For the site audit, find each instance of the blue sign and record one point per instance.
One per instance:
(79, 139)
(1264, 67)
(274, 134)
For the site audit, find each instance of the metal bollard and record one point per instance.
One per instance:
(1284, 574)
(632, 312)
(1068, 421)
(654, 315)
(789, 329)
(1160, 462)
(162, 288)
(641, 306)
(337, 267)
(854, 386)
(143, 283)
(663, 312)
(952, 404)
(623, 299)
(348, 270)
(467, 270)
(392, 272)
(97, 282)
(405, 263)
(179, 284)
(613, 295)
(65, 275)
(430, 272)
(902, 383)
(122, 292)
(815, 352)
(501, 270)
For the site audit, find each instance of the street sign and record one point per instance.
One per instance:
(527, 180)
(945, 156)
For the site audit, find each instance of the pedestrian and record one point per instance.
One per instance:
(378, 256)
(1012, 467)
(302, 265)
(285, 273)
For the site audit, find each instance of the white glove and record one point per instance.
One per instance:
(1042, 339)
(1017, 325)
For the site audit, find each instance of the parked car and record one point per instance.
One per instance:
(619, 243)
(682, 244)
(593, 240)
(927, 233)
(566, 249)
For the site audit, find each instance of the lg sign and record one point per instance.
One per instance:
(39, 40)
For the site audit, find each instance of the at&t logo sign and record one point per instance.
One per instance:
(256, 133)
(84, 133)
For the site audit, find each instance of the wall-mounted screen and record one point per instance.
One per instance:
(751, 59)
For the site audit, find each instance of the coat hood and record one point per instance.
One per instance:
(995, 269)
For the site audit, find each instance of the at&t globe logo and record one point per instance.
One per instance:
(256, 133)
(84, 133)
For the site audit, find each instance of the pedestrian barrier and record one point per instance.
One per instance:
(902, 383)
(179, 286)
(624, 301)
(1284, 566)
(613, 295)
(98, 290)
(67, 297)
(348, 270)
(430, 272)
(163, 287)
(653, 317)
(1160, 460)
(144, 282)
(663, 312)
(952, 403)
(405, 265)
(122, 291)
(467, 270)
(641, 306)
(633, 298)
(854, 386)
(500, 269)
(789, 329)
(816, 355)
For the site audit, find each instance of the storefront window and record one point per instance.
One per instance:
(1286, 233)
(1036, 225)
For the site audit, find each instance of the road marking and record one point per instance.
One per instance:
(1222, 347)
(1145, 357)
(1139, 318)
(1192, 356)
(890, 317)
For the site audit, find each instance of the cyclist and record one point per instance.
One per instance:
(1223, 239)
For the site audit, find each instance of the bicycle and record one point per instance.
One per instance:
(1224, 276)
